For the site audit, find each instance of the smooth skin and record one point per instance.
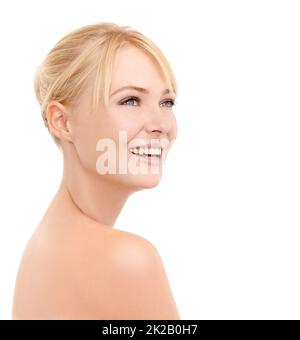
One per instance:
(76, 265)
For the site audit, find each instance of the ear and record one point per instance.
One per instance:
(58, 121)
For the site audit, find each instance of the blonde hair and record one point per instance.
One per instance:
(89, 52)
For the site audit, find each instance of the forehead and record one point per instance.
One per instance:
(134, 66)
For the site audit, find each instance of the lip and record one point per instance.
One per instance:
(149, 145)
(159, 143)
(147, 159)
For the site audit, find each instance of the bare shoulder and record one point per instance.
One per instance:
(129, 246)
(130, 281)
(92, 272)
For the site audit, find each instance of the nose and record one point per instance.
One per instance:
(160, 123)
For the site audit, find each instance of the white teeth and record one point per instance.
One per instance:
(146, 151)
(155, 151)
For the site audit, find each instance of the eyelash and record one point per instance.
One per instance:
(138, 100)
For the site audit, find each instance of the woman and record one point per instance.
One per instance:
(106, 94)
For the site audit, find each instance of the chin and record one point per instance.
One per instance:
(140, 182)
(151, 182)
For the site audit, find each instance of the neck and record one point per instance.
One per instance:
(90, 194)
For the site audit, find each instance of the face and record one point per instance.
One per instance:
(132, 137)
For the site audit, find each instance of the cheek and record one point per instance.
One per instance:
(87, 133)
(174, 128)
(125, 123)
(94, 129)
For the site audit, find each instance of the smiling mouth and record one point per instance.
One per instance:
(147, 152)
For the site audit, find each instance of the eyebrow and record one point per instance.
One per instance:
(137, 88)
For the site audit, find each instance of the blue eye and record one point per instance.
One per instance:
(138, 100)
(170, 101)
(129, 99)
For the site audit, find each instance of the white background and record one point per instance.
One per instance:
(225, 217)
